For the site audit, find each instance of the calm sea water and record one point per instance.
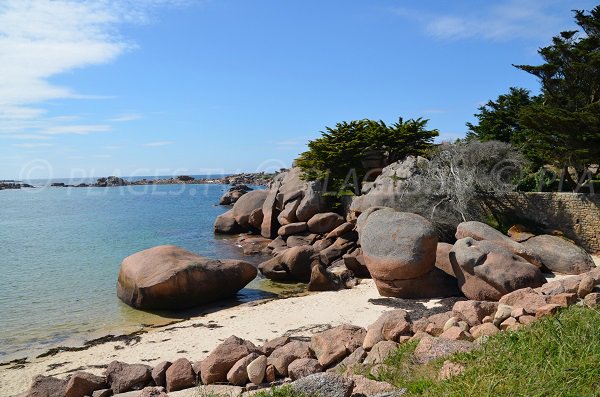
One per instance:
(60, 251)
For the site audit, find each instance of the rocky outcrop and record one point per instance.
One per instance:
(290, 199)
(487, 270)
(169, 277)
(559, 255)
(480, 231)
(388, 188)
(233, 194)
(324, 223)
(293, 264)
(226, 224)
(399, 250)
(244, 207)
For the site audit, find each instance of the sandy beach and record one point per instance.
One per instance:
(195, 338)
(257, 321)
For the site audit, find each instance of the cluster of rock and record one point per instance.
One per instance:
(388, 189)
(399, 250)
(8, 185)
(169, 277)
(329, 362)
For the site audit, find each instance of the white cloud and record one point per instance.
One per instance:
(500, 21)
(158, 143)
(32, 137)
(76, 129)
(32, 145)
(126, 117)
(40, 39)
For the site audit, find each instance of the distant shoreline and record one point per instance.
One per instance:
(256, 179)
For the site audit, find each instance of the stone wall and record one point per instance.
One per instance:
(576, 215)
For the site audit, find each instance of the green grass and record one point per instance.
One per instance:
(556, 356)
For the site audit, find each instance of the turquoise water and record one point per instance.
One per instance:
(60, 251)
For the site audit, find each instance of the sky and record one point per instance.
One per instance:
(170, 87)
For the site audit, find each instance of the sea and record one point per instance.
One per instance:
(61, 248)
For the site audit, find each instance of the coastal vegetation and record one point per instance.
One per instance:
(554, 356)
(344, 155)
(560, 127)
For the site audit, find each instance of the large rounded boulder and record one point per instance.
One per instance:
(480, 231)
(169, 277)
(399, 249)
(245, 205)
(560, 255)
(487, 270)
(398, 245)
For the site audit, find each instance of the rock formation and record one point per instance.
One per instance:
(169, 277)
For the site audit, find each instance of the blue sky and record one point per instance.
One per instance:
(155, 87)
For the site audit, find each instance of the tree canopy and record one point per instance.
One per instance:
(564, 128)
(561, 126)
(339, 156)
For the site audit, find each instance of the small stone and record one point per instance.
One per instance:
(270, 374)
(159, 373)
(102, 393)
(430, 348)
(526, 319)
(238, 374)
(180, 375)
(273, 344)
(473, 311)
(502, 313)
(364, 386)
(256, 370)
(517, 312)
(303, 367)
(84, 384)
(464, 326)
(586, 285)
(380, 352)
(456, 333)
(452, 322)
(324, 384)
(153, 391)
(564, 299)
(592, 299)
(487, 319)
(507, 323)
(547, 310)
(487, 329)
(526, 298)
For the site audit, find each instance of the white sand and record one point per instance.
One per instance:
(299, 316)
